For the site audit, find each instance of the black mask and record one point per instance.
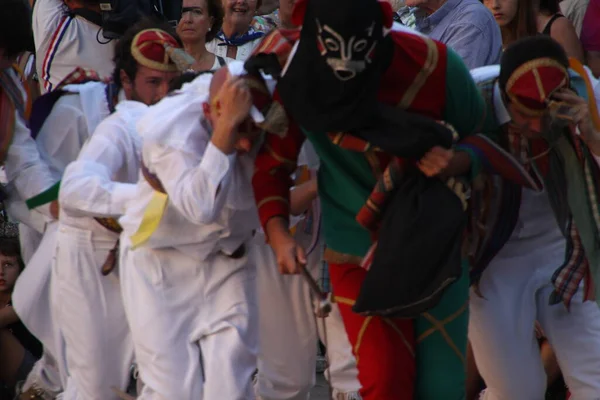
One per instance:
(332, 80)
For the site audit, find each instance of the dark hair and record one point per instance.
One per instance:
(215, 10)
(180, 80)
(16, 35)
(523, 24)
(9, 247)
(549, 6)
(124, 59)
(527, 49)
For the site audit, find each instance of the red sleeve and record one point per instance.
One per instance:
(276, 161)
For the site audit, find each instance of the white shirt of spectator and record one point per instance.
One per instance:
(64, 42)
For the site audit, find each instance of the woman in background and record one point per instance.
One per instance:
(516, 18)
(200, 21)
(551, 22)
(238, 36)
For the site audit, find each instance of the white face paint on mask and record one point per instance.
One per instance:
(347, 58)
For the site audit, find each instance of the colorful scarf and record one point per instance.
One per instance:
(266, 23)
(239, 40)
(370, 214)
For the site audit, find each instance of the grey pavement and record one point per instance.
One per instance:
(321, 389)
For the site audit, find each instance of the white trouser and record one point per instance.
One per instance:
(516, 289)
(31, 298)
(193, 323)
(32, 224)
(89, 309)
(288, 333)
(29, 241)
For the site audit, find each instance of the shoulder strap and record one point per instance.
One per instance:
(41, 109)
(548, 27)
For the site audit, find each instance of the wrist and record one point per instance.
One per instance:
(223, 136)
(277, 228)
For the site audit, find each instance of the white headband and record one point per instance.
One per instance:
(236, 68)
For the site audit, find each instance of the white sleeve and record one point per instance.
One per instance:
(197, 190)
(308, 156)
(47, 15)
(25, 168)
(63, 134)
(87, 188)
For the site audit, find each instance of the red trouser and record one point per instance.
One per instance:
(383, 347)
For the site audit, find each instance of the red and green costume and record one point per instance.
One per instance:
(427, 78)
(393, 355)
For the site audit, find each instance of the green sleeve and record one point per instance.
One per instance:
(465, 106)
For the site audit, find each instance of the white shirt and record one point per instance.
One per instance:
(64, 42)
(210, 199)
(73, 119)
(102, 179)
(27, 174)
(243, 52)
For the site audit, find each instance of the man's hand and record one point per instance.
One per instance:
(54, 209)
(234, 103)
(435, 161)
(235, 100)
(581, 118)
(290, 256)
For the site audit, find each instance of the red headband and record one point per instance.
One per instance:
(148, 49)
(532, 84)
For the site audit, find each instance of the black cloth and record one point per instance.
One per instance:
(404, 134)
(419, 249)
(27, 340)
(317, 88)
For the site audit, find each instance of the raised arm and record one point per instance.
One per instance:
(196, 189)
(88, 187)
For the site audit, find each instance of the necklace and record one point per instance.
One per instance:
(203, 62)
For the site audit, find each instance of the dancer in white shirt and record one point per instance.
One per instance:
(189, 288)
(59, 137)
(95, 189)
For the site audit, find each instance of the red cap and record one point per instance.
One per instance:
(148, 49)
(532, 84)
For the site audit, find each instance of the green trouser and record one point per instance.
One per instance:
(441, 337)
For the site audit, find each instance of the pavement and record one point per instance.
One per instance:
(321, 389)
